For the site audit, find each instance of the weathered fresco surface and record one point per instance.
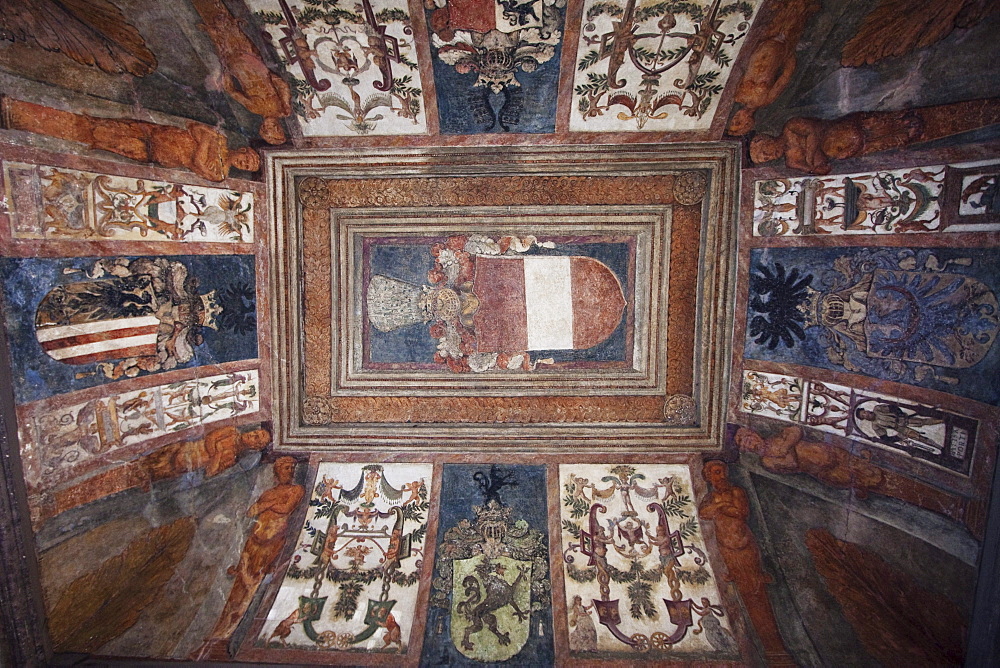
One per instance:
(136, 395)
(630, 541)
(164, 550)
(839, 522)
(166, 64)
(925, 317)
(862, 585)
(491, 597)
(933, 66)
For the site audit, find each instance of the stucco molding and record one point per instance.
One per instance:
(688, 187)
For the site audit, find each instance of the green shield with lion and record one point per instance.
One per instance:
(490, 607)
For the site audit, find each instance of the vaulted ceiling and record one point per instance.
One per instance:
(793, 202)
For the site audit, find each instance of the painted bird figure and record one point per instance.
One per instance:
(284, 627)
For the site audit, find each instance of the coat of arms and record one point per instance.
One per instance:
(894, 309)
(492, 575)
(492, 303)
(132, 316)
(360, 541)
(501, 41)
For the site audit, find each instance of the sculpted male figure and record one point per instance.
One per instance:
(811, 144)
(787, 452)
(263, 546)
(728, 507)
(245, 77)
(771, 63)
(197, 147)
(215, 453)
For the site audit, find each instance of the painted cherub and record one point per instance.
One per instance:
(414, 489)
(579, 488)
(326, 488)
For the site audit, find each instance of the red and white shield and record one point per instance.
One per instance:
(100, 340)
(545, 303)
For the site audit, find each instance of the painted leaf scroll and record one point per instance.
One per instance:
(654, 67)
(353, 67)
(353, 580)
(638, 579)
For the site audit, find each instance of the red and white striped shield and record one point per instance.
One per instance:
(100, 340)
(545, 303)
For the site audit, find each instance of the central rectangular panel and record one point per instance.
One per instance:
(532, 298)
(490, 301)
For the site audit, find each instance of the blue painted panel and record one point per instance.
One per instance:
(925, 317)
(27, 281)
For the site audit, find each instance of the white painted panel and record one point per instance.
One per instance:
(548, 299)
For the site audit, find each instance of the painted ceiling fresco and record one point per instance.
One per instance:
(495, 64)
(498, 332)
(542, 302)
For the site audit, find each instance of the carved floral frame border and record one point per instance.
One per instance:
(699, 182)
